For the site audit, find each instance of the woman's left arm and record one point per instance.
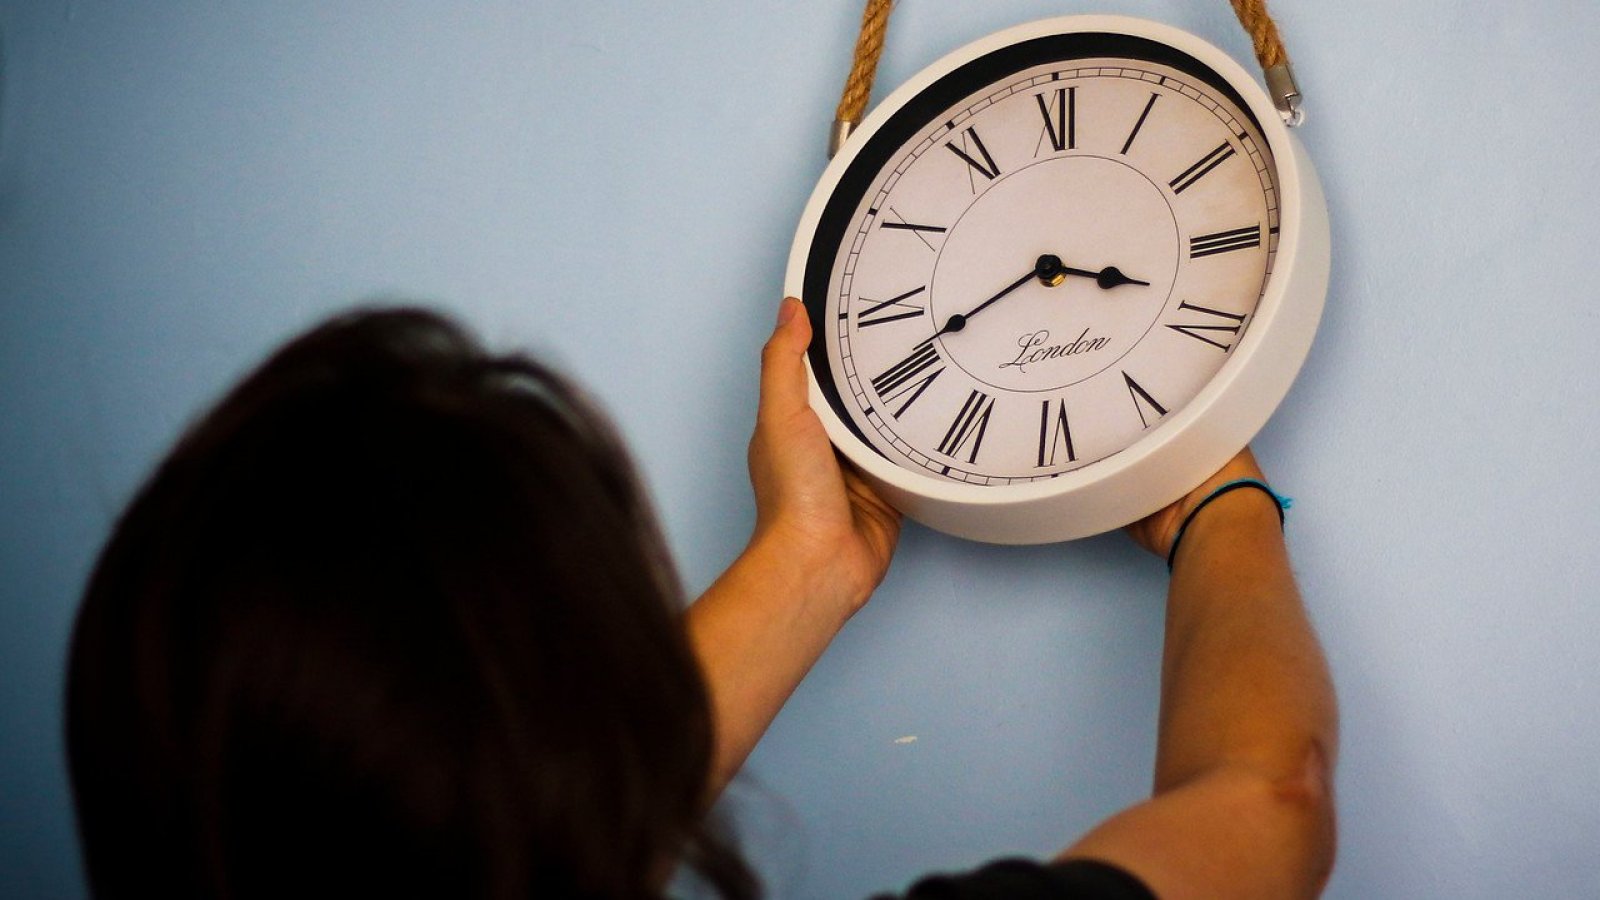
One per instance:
(823, 540)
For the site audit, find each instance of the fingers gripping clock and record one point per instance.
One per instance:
(1042, 265)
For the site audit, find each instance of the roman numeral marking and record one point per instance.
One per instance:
(912, 227)
(1198, 170)
(901, 378)
(1137, 392)
(908, 226)
(970, 425)
(891, 310)
(1139, 124)
(1224, 241)
(1194, 331)
(988, 169)
(1060, 119)
(1053, 431)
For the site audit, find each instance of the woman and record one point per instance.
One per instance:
(395, 618)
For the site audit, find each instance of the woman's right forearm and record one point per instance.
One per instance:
(1243, 802)
(1244, 682)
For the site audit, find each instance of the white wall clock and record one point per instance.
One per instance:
(1059, 277)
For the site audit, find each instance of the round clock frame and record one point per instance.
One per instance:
(1181, 450)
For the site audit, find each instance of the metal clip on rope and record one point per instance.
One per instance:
(1285, 94)
(838, 134)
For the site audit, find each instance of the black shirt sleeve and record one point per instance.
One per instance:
(1025, 879)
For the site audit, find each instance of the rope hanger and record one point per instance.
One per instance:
(1252, 15)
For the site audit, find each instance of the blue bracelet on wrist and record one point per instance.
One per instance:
(1255, 483)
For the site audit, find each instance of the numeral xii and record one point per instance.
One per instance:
(1060, 117)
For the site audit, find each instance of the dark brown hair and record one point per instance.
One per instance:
(393, 619)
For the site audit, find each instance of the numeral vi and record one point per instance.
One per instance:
(1054, 433)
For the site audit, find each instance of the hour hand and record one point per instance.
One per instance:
(1106, 278)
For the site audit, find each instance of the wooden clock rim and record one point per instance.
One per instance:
(914, 490)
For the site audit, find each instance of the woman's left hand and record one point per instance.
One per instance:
(822, 542)
(814, 512)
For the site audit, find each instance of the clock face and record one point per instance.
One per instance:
(1041, 258)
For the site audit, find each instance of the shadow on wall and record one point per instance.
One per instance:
(5, 106)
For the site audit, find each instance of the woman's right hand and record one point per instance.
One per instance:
(1156, 531)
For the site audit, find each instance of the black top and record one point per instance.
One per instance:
(1024, 879)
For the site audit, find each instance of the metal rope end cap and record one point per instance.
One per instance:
(838, 135)
(1285, 94)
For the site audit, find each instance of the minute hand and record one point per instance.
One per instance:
(959, 321)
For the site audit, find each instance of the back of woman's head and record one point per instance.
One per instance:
(393, 618)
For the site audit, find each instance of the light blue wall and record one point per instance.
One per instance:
(184, 185)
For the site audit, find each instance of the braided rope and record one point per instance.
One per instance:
(869, 46)
(1252, 15)
(1263, 31)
